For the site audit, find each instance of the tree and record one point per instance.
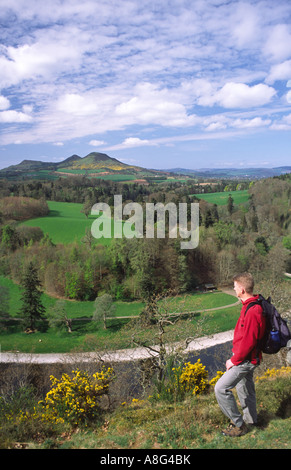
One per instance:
(87, 206)
(230, 205)
(88, 239)
(103, 306)
(9, 238)
(58, 316)
(32, 307)
(4, 306)
(224, 233)
(159, 314)
(208, 219)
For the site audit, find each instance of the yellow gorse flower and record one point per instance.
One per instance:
(273, 373)
(76, 398)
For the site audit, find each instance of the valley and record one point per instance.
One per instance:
(243, 225)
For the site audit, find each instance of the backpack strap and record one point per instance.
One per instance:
(256, 302)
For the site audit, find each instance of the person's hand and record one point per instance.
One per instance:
(228, 364)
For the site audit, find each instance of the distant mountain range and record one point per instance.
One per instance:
(101, 163)
(247, 173)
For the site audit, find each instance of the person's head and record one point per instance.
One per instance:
(243, 285)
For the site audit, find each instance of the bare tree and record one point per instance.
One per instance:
(161, 312)
(58, 316)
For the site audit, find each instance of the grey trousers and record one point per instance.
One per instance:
(241, 377)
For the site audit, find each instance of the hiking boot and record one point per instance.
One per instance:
(235, 431)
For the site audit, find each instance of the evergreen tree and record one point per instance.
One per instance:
(230, 205)
(32, 307)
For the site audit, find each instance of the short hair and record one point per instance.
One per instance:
(246, 280)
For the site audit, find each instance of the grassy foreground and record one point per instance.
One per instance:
(194, 423)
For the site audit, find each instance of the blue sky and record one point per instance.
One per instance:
(159, 84)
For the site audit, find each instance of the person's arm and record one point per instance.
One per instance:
(251, 335)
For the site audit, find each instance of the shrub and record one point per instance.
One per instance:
(215, 379)
(20, 418)
(185, 379)
(76, 399)
(194, 378)
(273, 373)
(276, 385)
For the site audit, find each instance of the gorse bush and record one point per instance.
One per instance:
(183, 380)
(76, 399)
(273, 373)
(194, 378)
(72, 399)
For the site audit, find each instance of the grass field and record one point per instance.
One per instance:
(94, 174)
(239, 197)
(85, 333)
(65, 223)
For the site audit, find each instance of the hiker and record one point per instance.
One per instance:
(246, 357)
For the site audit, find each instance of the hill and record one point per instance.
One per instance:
(102, 165)
(93, 160)
(233, 173)
(93, 164)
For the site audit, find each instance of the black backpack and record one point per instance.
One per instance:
(277, 332)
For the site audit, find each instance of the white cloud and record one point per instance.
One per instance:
(4, 103)
(151, 105)
(218, 122)
(246, 24)
(53, 52)
(232, 94)
(250, 123)
(135, 142)
(78, 105)
(240, 95)
(280, 71)
(97, 143)
(282, 125)
(14, 116)
(278, 44)
(27, 108)
(216, 125)
(87, 68)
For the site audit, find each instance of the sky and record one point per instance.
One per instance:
(159, 84)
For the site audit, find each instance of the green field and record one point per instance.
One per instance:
(118, 177)
(79, 171)
(74, 308)
(65, 223)
(78, 309)
(221, 198)
(85, 333)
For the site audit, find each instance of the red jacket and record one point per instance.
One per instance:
(249, 330)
